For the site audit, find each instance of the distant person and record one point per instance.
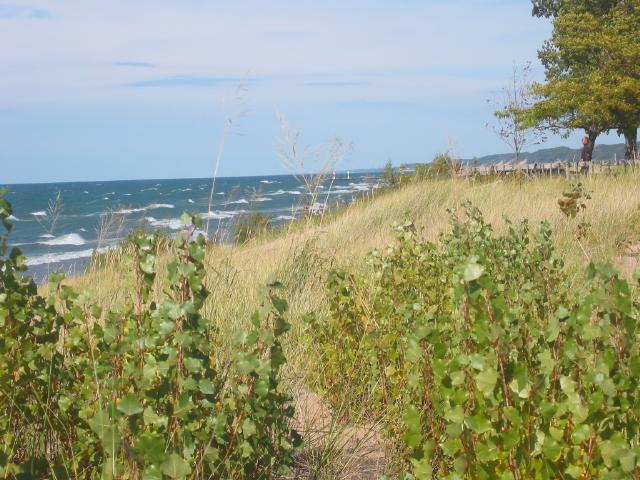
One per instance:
(587, 149)
(585, 156)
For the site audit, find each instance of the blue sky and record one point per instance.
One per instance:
(123, 89)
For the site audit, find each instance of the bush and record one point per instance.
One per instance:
(139, 391)
(481, 363)
(442, 166)
(250, 226)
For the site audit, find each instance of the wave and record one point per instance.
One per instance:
(294, 192)
(268, 182)
(39, 213)
(190, 200)
(63, 256)
(171, 223)
(284, 217)
(14, 218)
(261, 199)
(153, 206)
(58, 257)
(69, 239)
(241, 201)
(219, 215)
(278, 192)
(47, 235)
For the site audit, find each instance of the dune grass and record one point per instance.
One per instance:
(301, 257)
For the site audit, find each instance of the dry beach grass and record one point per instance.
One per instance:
(338, 445)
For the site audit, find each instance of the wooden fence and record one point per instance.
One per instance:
(558, 167)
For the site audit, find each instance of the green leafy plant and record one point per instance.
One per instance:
(573, 204)
(479, 360)
(139, 391)
(249, 226)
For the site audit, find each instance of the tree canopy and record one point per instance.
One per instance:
(592, 66)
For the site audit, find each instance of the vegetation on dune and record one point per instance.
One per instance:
(480, 359)
(140, 390)
(412, 340)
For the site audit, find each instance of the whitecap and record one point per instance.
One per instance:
(267, 182)
(172, 223)
(47, 235)
(63, 256)
(219, 193)
(284, 217)
(127, 194)
(40, 213)
(261, 199)
(278, 192)
(83, 229)
(293, 192)
(14, 218)
(190, 201)
(68, 239)
(85, 192)
(242, 200)
(153, 206)
(219, 215)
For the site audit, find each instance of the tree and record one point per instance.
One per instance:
(554, 8)
(591, 64)
(515, 98)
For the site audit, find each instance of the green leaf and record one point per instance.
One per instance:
(478, 424)
(486, 381)
(175, 467)
(129, 405)
(472, 271)
(413, 434)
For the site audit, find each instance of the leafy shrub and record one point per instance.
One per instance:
(139, 391)
(443, 165)
(249, 226)
(481, 363)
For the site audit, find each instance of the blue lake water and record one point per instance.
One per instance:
(97, 215)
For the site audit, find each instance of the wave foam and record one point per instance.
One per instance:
(39, 213)
(153, 206)
(62, 257)
(69, 239)
(171, 223)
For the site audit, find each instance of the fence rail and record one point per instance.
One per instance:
(558, 167)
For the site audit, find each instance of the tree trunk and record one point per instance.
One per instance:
(593, 135)
(630, 143)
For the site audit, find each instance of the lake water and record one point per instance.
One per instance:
(97, 215)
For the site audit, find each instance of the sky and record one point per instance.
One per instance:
(130, 89)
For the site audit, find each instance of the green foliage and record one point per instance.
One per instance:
(249, 226)
(390, 176)
(479, 360)
(592, 69)
(137, 392)
(443, 165)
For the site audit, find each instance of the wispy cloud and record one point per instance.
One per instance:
(9, 11)
(337, 84)
(135, 64)
(187, 81)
